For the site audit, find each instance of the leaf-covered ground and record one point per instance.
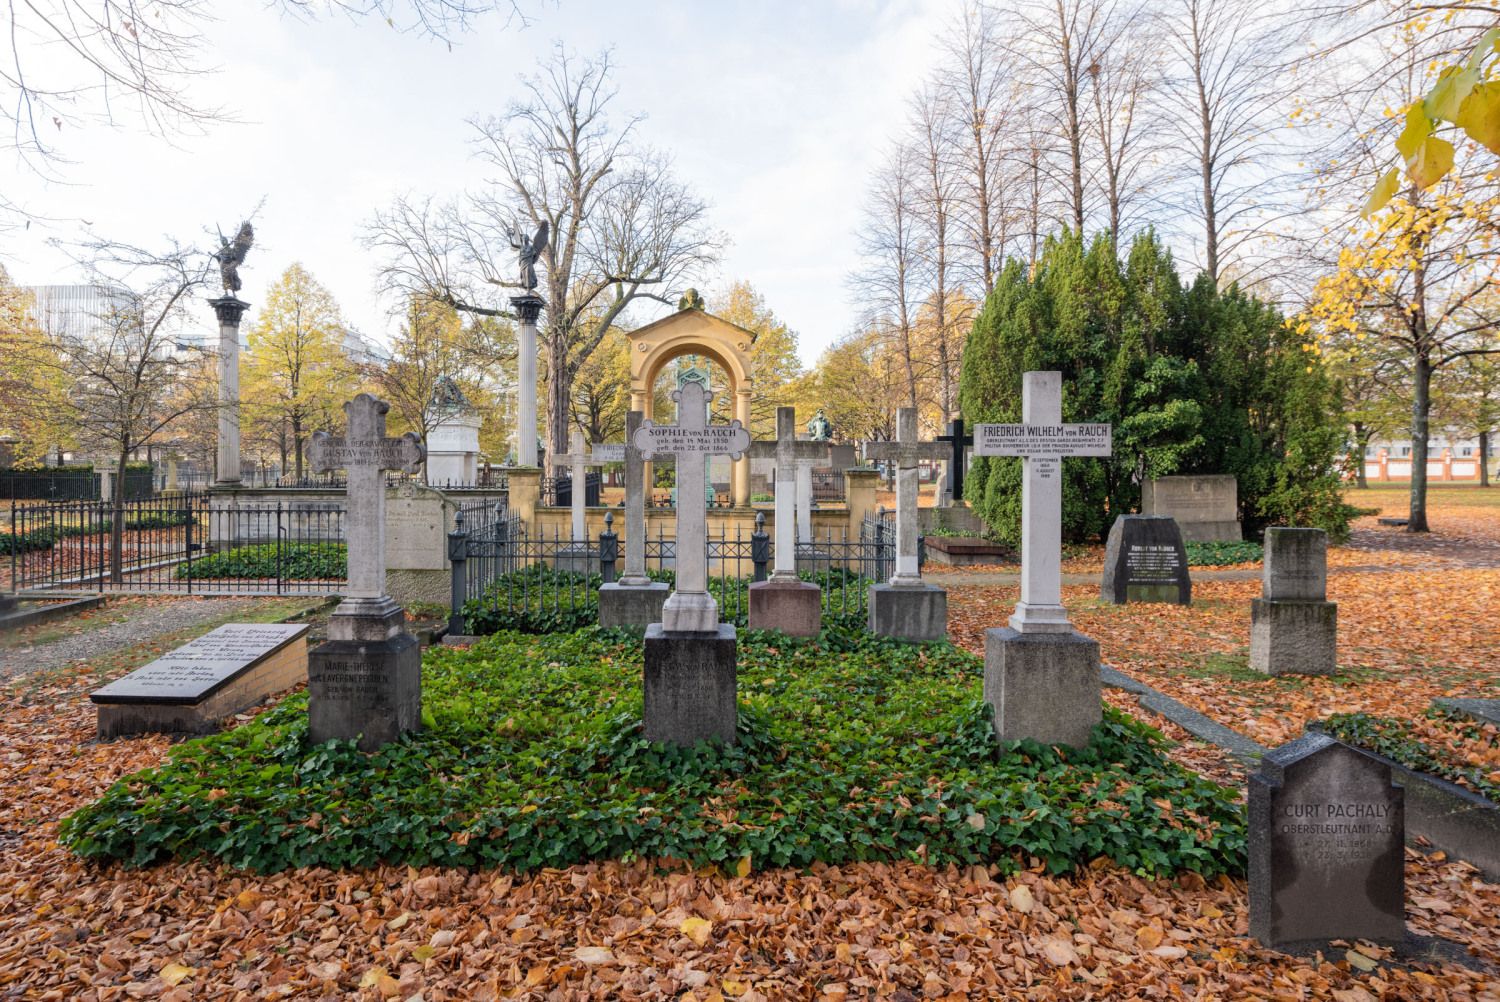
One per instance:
(72, 930)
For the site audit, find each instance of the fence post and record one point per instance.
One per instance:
(609, 549)
(458, 556)
(760, 546)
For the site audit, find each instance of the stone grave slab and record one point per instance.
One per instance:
(1293, 629)
(1144, 561)
(1206, 507)
(223, 672)
(1327, 836)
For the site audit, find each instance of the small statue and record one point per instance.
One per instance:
(528, 250)
(231, 255)
(818, 429)
(690, 300)
(448, 397)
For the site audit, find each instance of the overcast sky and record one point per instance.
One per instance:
(775, 113)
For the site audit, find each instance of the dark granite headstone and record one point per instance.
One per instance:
(1144, 561)
(1327, 834)
(690, 686)
(191, 689)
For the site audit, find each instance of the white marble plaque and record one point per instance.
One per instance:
(1042, 440)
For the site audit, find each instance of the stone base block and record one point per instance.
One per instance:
(632, 605)
(915, 614)
(690, 686)
(1042, 686)
(365, 689)
(1293, 638)
(793, 607)
(1212, 532)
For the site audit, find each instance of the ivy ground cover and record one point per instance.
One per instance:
(850, 749)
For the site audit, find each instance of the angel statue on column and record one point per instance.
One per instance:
(528, 249)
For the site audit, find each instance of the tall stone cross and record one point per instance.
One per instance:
(366, 452)
(906, 452)
(690, 608)
(580, 462)
(1041, 440)
(635, 507)
(959, 441)
(791, 457)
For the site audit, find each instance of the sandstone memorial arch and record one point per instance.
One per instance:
(694, 332)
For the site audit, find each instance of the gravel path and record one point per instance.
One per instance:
(143, 623)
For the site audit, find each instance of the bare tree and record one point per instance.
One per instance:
(1224, 100)
(890, 242)
(127, 368)
(1125, 138)
(623, 229)
(933, 123)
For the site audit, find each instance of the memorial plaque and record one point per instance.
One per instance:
(1042, 440)
(190, 690)
(1206, 506)
(677, 439)
(1144, 561)
(1327, 835)
(1295, 566)
(608, 452)
(198, 668)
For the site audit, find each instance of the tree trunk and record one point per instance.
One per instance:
(297, 444)
(1421, 407)
(117, 519)
(1361, 446)
(1484, 458)
(559, 389)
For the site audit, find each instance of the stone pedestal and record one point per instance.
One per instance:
(1293, 638)
(631, 605)
(690, 686)
(577, 561)
(793, 607)
(453, 451)
(916, 613)
(1042, 686)
(366, 681)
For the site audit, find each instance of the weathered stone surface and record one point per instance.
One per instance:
(1144, 561)
(1486, 711)
(578, 560)
(967, 551)
(1295, 566)
(1293, 638)
(1042, 686)
(416, 529)
(1206, 507)
(369, 689)
(1326, 838)
(189, 691)
(690, 686)
(915, 613)
(793, 607)
(631, 605)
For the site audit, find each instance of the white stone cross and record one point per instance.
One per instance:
(792, 458)
(690, 608)
(906, 452)
(1042, 440)
(635, 508)
(366, 452)
(581, 462)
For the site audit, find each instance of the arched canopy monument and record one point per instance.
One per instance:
(695, 332)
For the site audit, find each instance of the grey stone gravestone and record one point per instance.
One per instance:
(785, 602)
(1206, 506)
(1293, 628)
(906, 607)
(365, 682)
(1327, 836)
(690, 686)
(634, 600)
(1041, 676)
(190, 690)
(579, 556)
(1144, 561)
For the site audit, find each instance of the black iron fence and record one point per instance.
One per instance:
(880, 528)
(557, 492)
(182, 542)
(63, 484)
(507, 578)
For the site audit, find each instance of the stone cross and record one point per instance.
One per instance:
(581, 462)
(906, 452)
(690, 608)
(792, 457)
(635, 507)
(959, 441)
(1042, 440)
(366, 452)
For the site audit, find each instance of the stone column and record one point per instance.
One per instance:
(528, 308)
(229, 310)
(739, 472)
